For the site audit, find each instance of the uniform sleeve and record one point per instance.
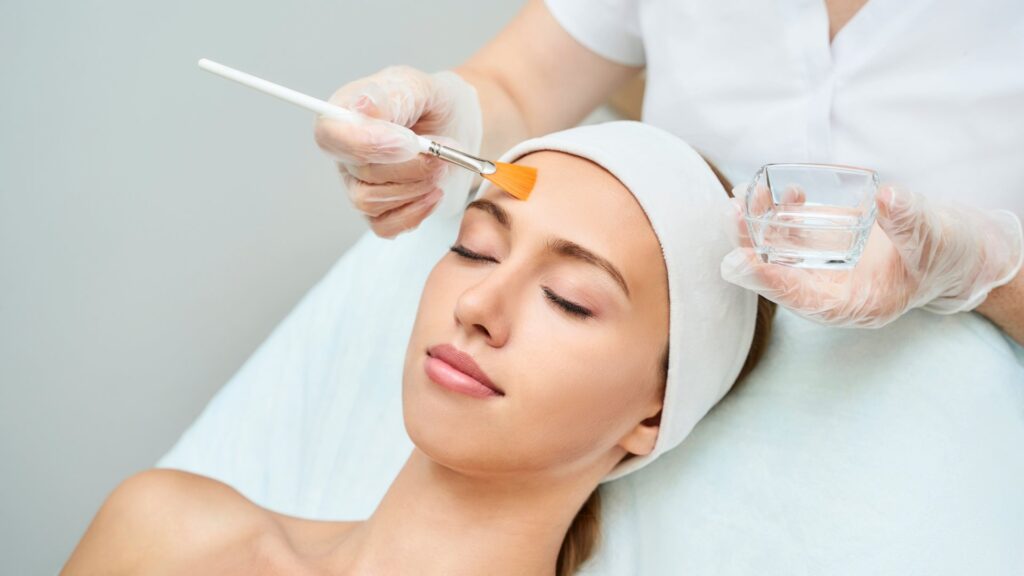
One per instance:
(610, 28)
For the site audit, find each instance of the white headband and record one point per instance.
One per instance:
(711, 322)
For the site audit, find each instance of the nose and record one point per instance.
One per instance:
(482, 309)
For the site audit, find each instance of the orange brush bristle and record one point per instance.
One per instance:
(516, 180)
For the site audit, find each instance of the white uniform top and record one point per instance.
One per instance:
(929, 93)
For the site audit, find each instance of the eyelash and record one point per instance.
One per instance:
(470, 255)
(570, 308)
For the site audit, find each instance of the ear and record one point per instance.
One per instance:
(641, 439)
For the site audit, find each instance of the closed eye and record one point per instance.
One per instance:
(569, 307)
(470, 255)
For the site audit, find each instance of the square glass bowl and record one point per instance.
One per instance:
(811, 215)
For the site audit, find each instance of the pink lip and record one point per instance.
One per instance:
(456, 371)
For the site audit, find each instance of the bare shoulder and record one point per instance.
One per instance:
(166, 518)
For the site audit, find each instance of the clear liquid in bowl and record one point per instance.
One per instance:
(810, 236)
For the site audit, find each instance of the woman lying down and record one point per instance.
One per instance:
(563, 342)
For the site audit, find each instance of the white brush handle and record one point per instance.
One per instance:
(298, 98)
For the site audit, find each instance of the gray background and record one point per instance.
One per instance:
(156, 221)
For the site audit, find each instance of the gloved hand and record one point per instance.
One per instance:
(386, 178)
(921, 253)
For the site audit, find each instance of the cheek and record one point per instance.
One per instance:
(437, 301)
(435, 308)
(455, 431)
(580, 388)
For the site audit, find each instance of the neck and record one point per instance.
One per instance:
(434, 520)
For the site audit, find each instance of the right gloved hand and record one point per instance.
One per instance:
(386, 177)
(923, 253)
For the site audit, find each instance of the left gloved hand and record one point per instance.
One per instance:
(921, 253)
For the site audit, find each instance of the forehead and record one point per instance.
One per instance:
(580, 201)
(574, 194)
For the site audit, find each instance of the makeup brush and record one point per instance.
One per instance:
(516, 180)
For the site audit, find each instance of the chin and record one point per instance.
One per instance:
(457, 432)
(473, 436)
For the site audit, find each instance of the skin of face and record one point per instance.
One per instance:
(578, 390)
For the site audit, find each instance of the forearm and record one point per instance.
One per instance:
(1004, 306)
(504, 121)
(534, 78)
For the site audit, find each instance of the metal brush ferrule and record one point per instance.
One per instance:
(467, 161)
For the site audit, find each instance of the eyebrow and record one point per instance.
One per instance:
(559, 246)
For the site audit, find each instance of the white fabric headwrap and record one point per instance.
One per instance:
(711, 322)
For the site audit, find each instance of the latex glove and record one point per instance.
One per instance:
(921, 253)
(385, 176)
